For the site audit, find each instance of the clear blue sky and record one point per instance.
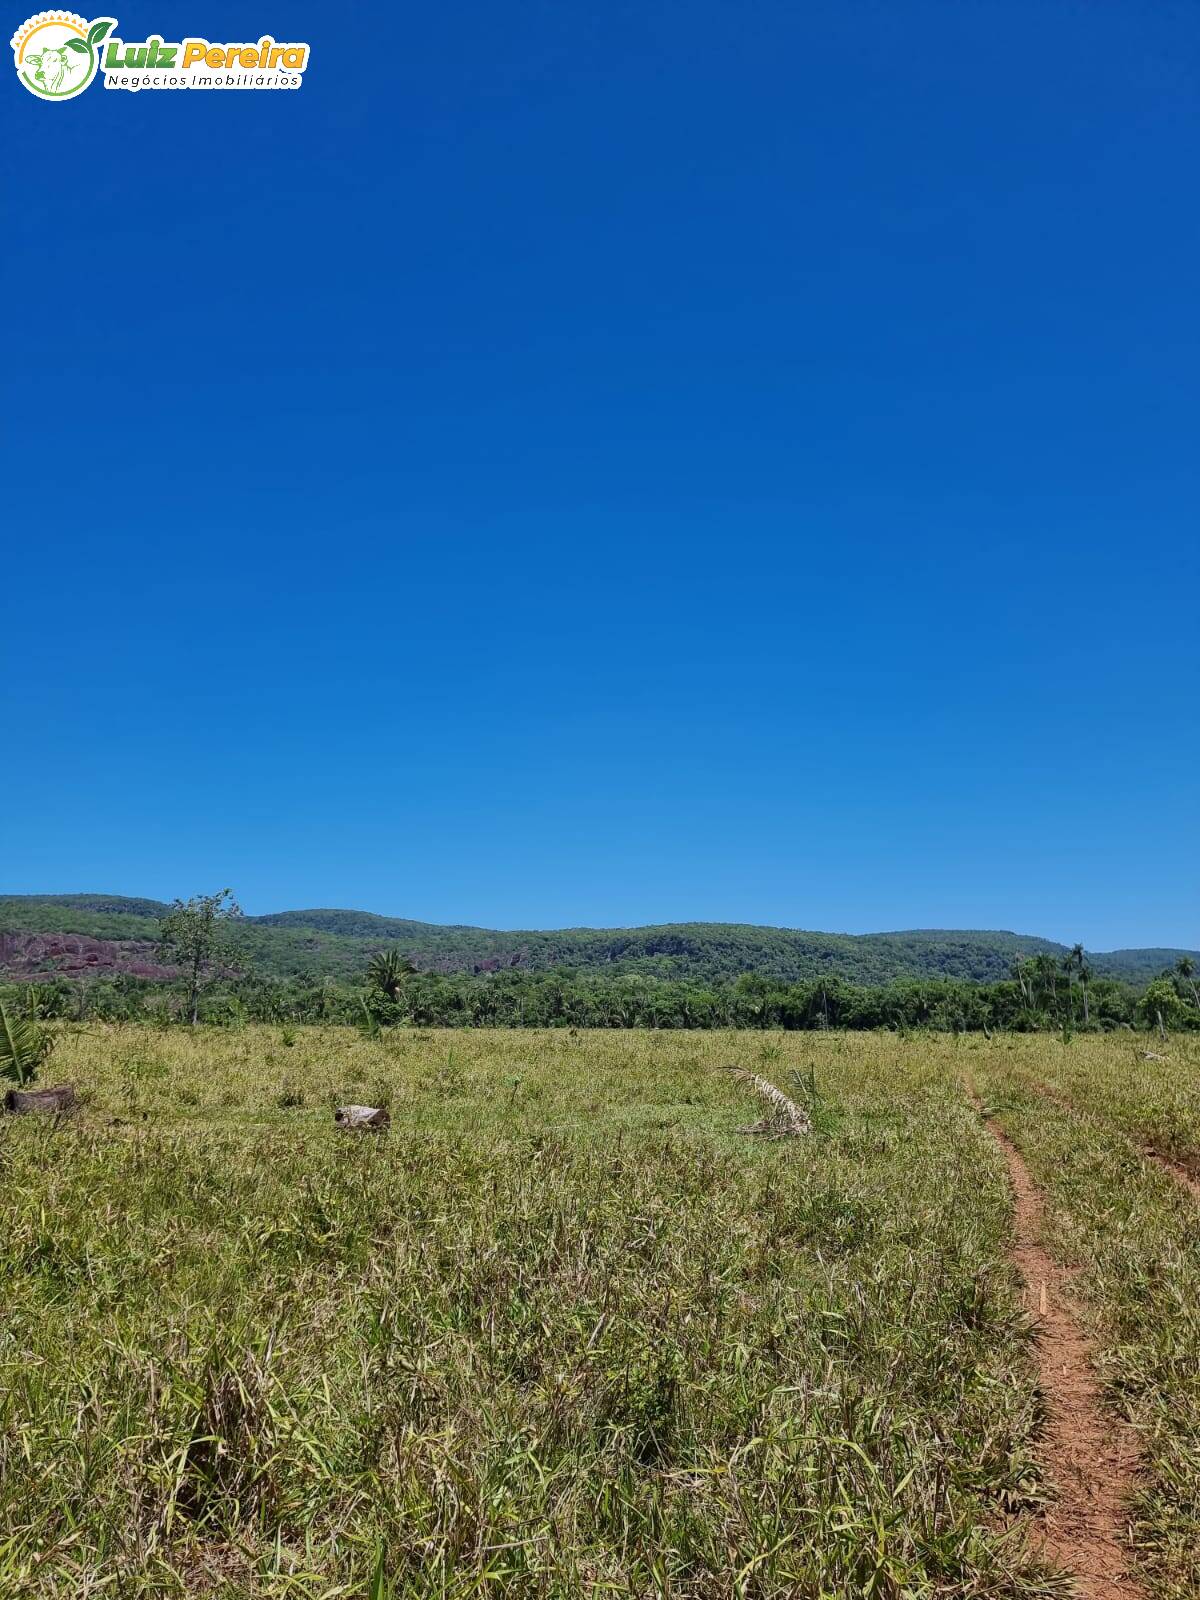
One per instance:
(617, 463)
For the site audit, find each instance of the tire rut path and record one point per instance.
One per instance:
(1091, 1454)
(1149, 1152)
(1176, 1168)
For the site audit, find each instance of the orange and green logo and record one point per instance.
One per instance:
(58, 53)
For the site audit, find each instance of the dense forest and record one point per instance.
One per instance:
(1042, 993)
(202, 961)
(125, 934)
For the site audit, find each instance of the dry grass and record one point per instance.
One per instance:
(559, 1332)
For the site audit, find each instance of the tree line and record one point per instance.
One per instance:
(1034, 998)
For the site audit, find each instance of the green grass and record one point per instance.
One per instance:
(562, 1331)
(1155, 1102)
(1134, 1230)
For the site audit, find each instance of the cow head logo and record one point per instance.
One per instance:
(57, 53)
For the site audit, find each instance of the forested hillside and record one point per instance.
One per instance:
(74, 935)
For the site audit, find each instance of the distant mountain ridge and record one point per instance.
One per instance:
(78, 935)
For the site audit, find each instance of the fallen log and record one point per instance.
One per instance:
(361, 1117)
(57, 1100)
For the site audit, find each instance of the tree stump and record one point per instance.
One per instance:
(58, 1100)
(360, 1117)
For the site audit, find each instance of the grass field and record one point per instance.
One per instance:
(564, 1331)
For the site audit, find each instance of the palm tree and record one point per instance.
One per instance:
(387, 972)
(1075, 966)
(24, 1045)
(1186, 968)
(1017, 969)
(1085, 977)
(1046, 969)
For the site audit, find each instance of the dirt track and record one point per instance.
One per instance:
(1179, 1172)
(1182, 1175)
(1091, 1456)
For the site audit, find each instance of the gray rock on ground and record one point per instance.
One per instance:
(361, 1117)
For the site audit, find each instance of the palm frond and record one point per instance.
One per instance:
(388, 970)
(787, 1120)
(24, 1045)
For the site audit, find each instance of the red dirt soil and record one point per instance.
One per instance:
(1177, 1170)
(1092, 1456)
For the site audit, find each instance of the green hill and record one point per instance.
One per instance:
(117, 933)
